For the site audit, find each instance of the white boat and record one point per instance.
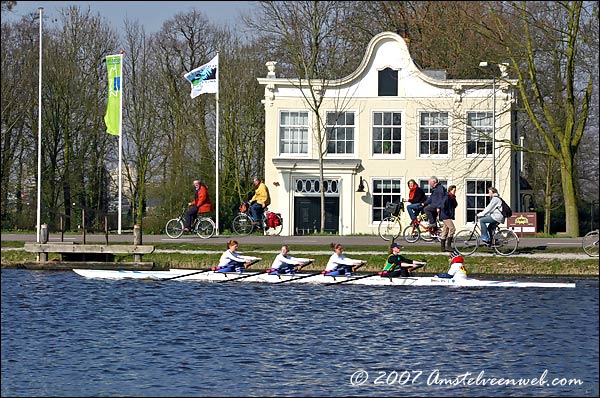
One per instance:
(369, 279)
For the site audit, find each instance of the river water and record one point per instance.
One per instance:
(65, 335)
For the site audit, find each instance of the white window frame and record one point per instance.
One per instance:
(485, 130)
(354, 153)
(484, 195)
(396, 197)
(449, 132)
(427, 188)
(308, 132)
(402, 128)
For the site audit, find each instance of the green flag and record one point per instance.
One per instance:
(113, 107)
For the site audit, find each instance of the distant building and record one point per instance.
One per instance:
(386, 123)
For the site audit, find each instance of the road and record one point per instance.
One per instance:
(376, 241)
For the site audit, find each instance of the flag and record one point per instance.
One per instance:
(113, 106)
(204, 78)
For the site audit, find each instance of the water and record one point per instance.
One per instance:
(65, 335)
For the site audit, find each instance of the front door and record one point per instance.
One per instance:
(307, 215)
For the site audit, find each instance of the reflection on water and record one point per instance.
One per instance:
(63, 335)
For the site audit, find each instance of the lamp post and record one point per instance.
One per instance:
(485, 64)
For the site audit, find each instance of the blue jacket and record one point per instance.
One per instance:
(437, 197)
(448, 210)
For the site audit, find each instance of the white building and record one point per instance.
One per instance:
(387, 122)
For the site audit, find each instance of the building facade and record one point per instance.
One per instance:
(386, 123)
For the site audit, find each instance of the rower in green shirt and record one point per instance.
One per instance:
(399, 266)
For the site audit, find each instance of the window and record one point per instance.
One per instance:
(424, 184)
(340, 132)
(293, 133)
(384, 191)
(433, 133)
(387, 133)
(479, 133)
(387, 85)
(477, 197)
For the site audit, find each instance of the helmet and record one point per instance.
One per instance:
(455, 257)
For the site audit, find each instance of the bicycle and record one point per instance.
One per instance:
(504, 240)
(391, 226)
(244, 224)
(417, 230)
(590, 243)
(203, 226)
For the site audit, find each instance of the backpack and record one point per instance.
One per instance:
(505, 209)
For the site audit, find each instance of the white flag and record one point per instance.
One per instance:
(204, 79)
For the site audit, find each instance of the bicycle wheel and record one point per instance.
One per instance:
(505, 242)
(205, 228)
(389, 227)
(466, 241)
(590, 243)
(174, 228)
(242, 224)
(274, 231)
(411, 233)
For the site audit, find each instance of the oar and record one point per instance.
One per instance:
(178, 276)
(350, 278)
(298, 278)
(245, 276)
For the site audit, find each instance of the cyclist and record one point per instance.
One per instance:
(398, 265)
(416, 196)
(259, 201)
(286, 264)
(491, 216)
(200, 204)
(339, 264)
(434, 202)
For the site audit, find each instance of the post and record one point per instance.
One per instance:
(83, 224)
(62, 228)
(39, 181)
(106, 228)
(494, 134)
(137, 240)
(43, 239)
(217, 151)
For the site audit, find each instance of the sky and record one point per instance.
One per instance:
(151, 14)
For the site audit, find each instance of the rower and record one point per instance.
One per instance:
(232, 261)
(284, 263)
(457, 267)
(339, 264)
(399, 266)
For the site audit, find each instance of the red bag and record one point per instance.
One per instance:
(273, 220)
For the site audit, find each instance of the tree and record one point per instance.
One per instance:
(307, 36)
(555, 85)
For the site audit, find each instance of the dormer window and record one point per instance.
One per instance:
(388, 83)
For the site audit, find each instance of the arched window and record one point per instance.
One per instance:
(388, 83)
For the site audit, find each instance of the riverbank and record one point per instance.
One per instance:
(556, 262)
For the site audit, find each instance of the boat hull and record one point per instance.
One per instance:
(313, 278)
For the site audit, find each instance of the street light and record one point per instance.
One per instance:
(485, 64)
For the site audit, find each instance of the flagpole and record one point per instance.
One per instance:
(120, 141)
(39, 170)
(217, 150)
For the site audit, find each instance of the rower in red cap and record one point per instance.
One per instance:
(457, 267)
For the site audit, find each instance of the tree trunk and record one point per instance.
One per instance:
(548, 195)
(568, 188)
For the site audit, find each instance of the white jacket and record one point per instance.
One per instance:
(458, 271)
(493, 209)
(281, 260)
(336, 260)
(228, 256)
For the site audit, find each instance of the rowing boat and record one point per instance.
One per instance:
(307, 278)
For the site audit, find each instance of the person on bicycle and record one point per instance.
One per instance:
(434, 203)
(286, 264)
(232, 261)
(457, 267)
(491, 216)
(259, 201)
(446, 216)
(416, 196)
(339, 264)
(200, 204)
(398, 265)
